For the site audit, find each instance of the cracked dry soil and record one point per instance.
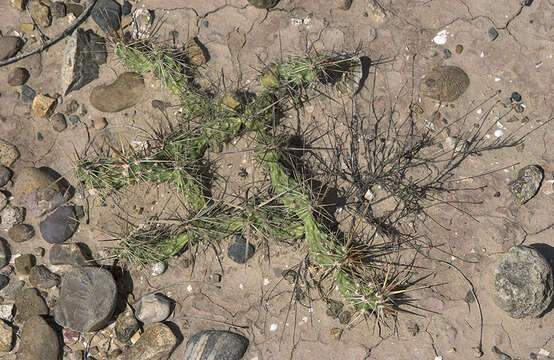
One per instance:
(240, 38)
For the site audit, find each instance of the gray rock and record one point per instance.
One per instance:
(38, 341)
(13, 289)
(493, 34)
(523, 284)
(124, 92)
(87, 299)
(9, 46)
(24, 263)
(39, 190)
(6, 336)
(60, 225)
(3, 201)
(67, 254)
(5, 175)
(84, 51)
(40, 13)
(4, 281)
(527, 183)
(216, 344)
(28, 94)
(107, 15)
(263, 4)
(8, 153)
(29, 303)
(240, 251)
(42, 278)
(126, 326)
(4, 253)
(18, 76)
(156, 343)
(153, 308)
(58, 9)
(12, 215)
(21, 232)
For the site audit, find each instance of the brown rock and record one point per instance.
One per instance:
(58, 121)
(9, 46)
(99, 124)
(196, 54)
(38, 341)
(18, 76)
(445, 83)
(157, 342)
(43, 105)
(39, 191)
(124, 92)
(8, 154)
(29, 303)
(40, 13)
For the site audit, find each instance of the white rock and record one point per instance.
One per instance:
(441, 37)
(153, 308)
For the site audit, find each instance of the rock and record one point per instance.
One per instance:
(516, 96)
(58, 9)
(527, 183)
(42, 278)
(4, 281)
(58, 122)
(24, 263)
(126, 8)
(158, 268)
(87, 299)
(123, 93)
(107, 15)
(447, 54)
(216, 344)
(240, 251)
(99, 124)
(67, 254)
(126, 326)
(21, 232)
(523, 284)
(70, 337)
(84, 51)
(29, 303)
(19, 4)
(196, 54)
(3, 201)
(18, 76)
(60, 225)
(38, 341)
(74, 120)
(343, 4)
(157, 343)
(39, 190)
(445, 83)
(6, 312)
(13, 289)
(12, 215)
(263, 4)
(6, 336)
(5, 175)
(74, 9)
(493, 34)
(9, 46)
(459, 48)
(43, 105)
(27, 94)
(143, 20)
(40, 13)
(28, 27)
(153, 308)
(4, 253)
(8, 154)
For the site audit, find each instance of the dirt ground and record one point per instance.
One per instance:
(240, 39)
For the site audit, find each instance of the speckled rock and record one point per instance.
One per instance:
(60, 225)
(8, 153)
(527, 183)
(39, 191)
(445, 83)
(156, 343)
(124, 92)
(29, 303)
(12, 215)
(38, 341)
(126, 325)
(216, 344)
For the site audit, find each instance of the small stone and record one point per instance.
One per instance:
(28, 94)
(58, 122)
(40, 137)
(38, 341)
(99, 124)
(527, 183)
(60, 225)
(28, 27)
(18, 76)
(3, 201)
(446, 54)
(157, 342)
(12, 215)
(158, 268)
(67, 254)
(459, 49)
(40, 190)
(124, 92)
(6, 336)
(335, 333)
(21, 232)
(153, 308)
(42, 278)
(74, 120)
(40, 13)
(13, 289)
(527, 2)
(446, 83)
(71, 107)
(195, 53)
(493, 34)
(263, 4)
(126, 326)
(343, 4)
(29, 303)
(5, 176)
(523, 284)
(216, 344)
(4, 253)
(240, 251)
(24, 263)
(58, 9)
(107, 15)
(43, 105)
(516, 96)
(70, 337)
(143, 19)
(8, 153)
(87, 299)
(126, 8)
(9, 46)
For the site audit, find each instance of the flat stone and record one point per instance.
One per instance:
(527, 183)
(8, 153)
(60, 225)
(21, 232)
(523, 285)
(9, 46)
(240, 251)
(39, 190)
(156, 343)
(84, 51)
(5, 175)
(445, 83)
(29, 303)
(24, 263)
(18, 76)
(6, 336)
(5, 253)
(216, 344)
(126, 326)
(87, 299)
(38, 341)
(13, 289)
(107, 15)
(124, 92)
(41, 277)
(12, 215)
(58, 121)
(40, 13)
(153, 308)
(67, 254)
(263, 4)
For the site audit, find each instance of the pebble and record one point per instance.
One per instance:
(59, 226)
(28, 27)
(8, 154)
(24, 263)
(263, 4)
(153, 308)
(447, 54)
(74, 120)
(459, 49)
(6, 336)
(41, 277)
(493, 34)
(43, 105)
(124, 92)
(40, 13)
(58, 9)
(58, 122)
(38, 341)
(5, 176)
(9, 46)
(126, 326)
(216, 344)
(21, 232)
(29, 303)
(87, 299)
(158, 268)
(99, 124)
(107, 15)
(516, 96)
(523, 284)
(157, 342)
(27, 94)
(12, 215)
(40, 190)
(67, 254)
(18, 76)
(240, 251)
(527, 183)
